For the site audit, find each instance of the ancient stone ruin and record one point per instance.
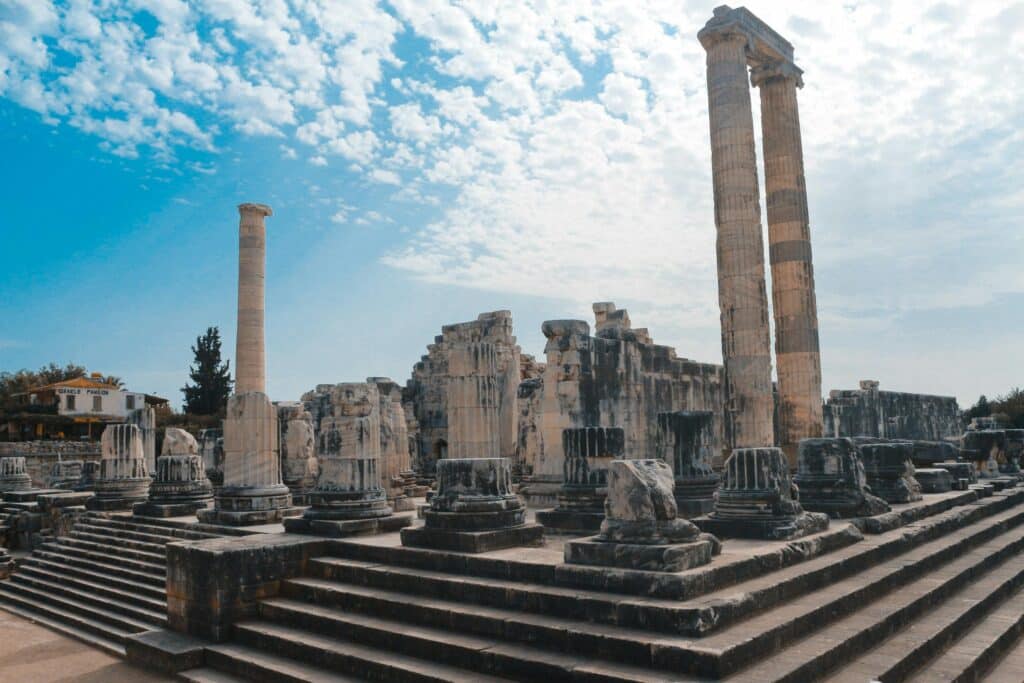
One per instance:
(299, 464)
(180, 487)
(831, 479)
(685, 441)
(123, 478)
(641, 529)
(14, 474)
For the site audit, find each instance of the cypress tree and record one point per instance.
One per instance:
(212, 377)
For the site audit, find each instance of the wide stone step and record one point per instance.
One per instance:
(977, 655)
(156, 549)
(61, 547)
(97, 634)
(906, 650)
(879, 614)
(708, 613)
(1009, 669)
(88, 601)
(153, 526)
(138, 597)
(544, 631)
(118, 532)
(207, 674)
(505, 661)
(192, 531)
(108, 549)
(100, 623)
(48, 553)
(513, 654)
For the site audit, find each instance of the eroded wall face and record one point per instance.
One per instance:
(893, 415)
(487, 410)
(616, 378)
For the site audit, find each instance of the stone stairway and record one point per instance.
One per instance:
(102, 582)
(888, 602)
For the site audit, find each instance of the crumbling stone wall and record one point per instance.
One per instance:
(617, 377)
(40, 456)
(869, 411)
(428, 388)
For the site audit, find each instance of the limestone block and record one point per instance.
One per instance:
(179, 442)
(890, 471)
(831, 479)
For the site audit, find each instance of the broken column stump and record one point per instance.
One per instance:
(831, 479)
(587, 451)
(14, 474)
(180, 487)
(757, 499)
(474, 509)
(934, 479)
(685, 439)
(122, 479)
(890, 471)
(641, 529)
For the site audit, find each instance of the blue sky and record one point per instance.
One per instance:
(427, 161)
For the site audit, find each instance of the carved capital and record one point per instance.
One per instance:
(776, 70)
(718, 31)
(260, 209)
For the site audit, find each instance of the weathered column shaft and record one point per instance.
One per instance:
(789, 238)
(741, 279)
(250, 366)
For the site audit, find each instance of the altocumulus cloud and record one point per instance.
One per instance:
(571, 137)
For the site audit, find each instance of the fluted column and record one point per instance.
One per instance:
(740, 246)
(250, 366)
(789, 238)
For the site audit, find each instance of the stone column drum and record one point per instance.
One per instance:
(757, 499)
(685, 443)
(349, 497)
(122, 479)
(832, 480)
(250, 361)
(742, 294)
(473, 405)
(65, 474)
(14, 474)
(253, 492)
(474, 509)
(180, 487)
(797, 357)
(641, 530)
(890, 471)
(587, 452)
(299, 466)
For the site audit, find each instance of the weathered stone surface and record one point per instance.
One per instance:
(212, 584)
(758, 499)
(395, 463)
(299, 465)
(831, 479)
(164, 650)
(123, 478)
(349, 491)
(474, 509)
(890, 471)
(616, 377)
(641, 530)
(14, 474)
(985, 448)
(867, 411)
(145, 419)
(934, 479)
(927, 453)
(486, 393)
(962, 473)
(685, 441)
(253, 492)
(250, 358)
(211, 448)
(587, 453)
(65, 474)
(180, 487)
(1014, 452)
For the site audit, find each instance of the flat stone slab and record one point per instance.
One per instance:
(473, 541)
(28, 495)
(233, 518)
(767, 529)
(675, 557)
(570, 521)
(349, 527)
(169, 510)
(164, 650)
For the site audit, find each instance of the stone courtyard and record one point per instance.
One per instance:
(612, 511)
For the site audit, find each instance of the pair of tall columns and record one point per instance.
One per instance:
(740, 247)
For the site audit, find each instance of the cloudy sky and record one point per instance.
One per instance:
(428, 160)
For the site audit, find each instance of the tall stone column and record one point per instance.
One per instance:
(789, 242)
(473, 418)
(740, 247)
(250, 361)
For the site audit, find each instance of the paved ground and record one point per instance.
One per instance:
(29, 652)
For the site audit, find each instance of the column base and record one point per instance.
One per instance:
(567, 521)
(675, 557)
(340, 528)
(473, 541)
(242, 506)
(764, 528)
(154, 509)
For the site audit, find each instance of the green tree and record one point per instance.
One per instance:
(212, 377)
(979, 409)
(21, 381)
